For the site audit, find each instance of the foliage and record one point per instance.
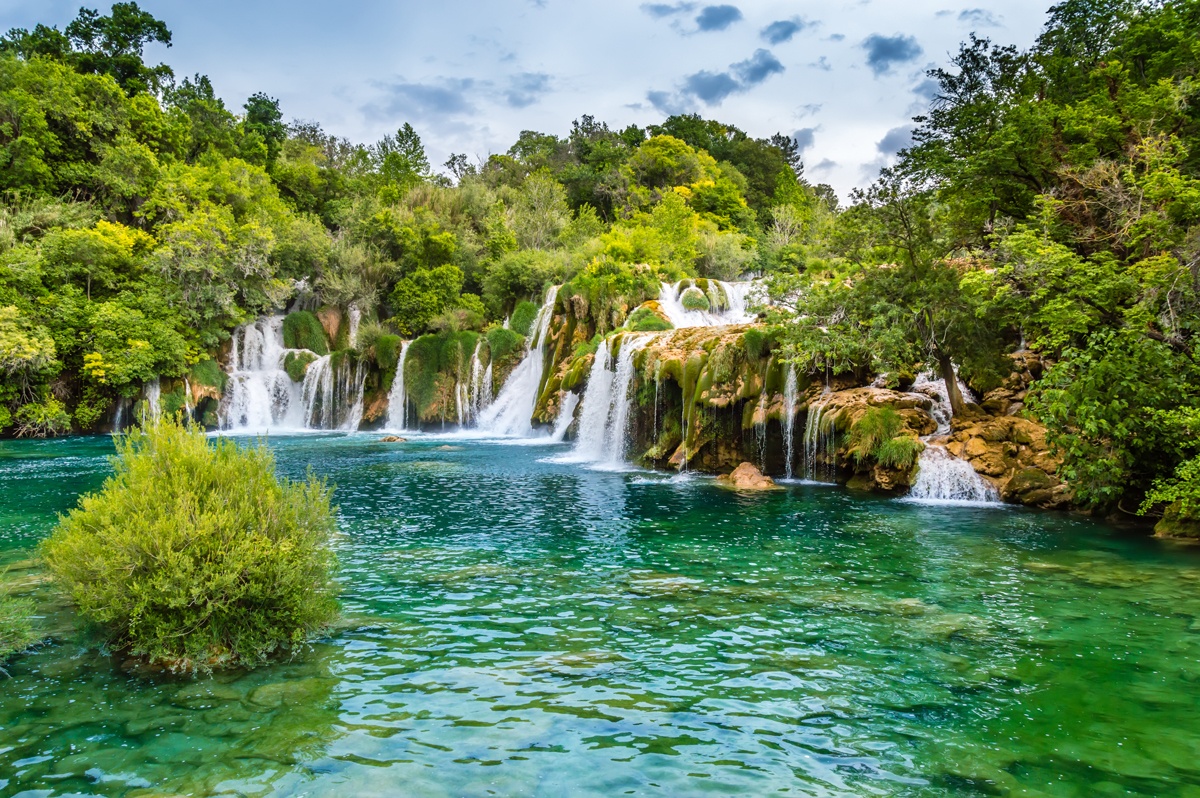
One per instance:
(646, 320)
(195, 556)
(207, 372)
(303, 330)
(46, 418)
(693, 298)
(878, 436)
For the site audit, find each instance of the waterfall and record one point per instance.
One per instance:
(397, 418)
(355, 320)
(511, 414)
(940, 475)
(603, 435)
(727, 304)
(189, 403)
(790, 399)
(760, 428)
(152, 410)
(480, 394)
(819, 440)
(260, 396)
(119, 413)
(566, 414)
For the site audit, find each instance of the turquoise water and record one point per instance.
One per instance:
(519, 627)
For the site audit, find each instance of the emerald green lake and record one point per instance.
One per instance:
(514, 626)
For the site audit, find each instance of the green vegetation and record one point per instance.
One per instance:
(195, 556)
(296, 363)
(1051, 197)
(302, 330)
(646, 320)
(523, 317)
(878, 436)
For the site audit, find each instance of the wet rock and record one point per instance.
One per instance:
(392, 439)
(1172, 525)
(747, 477)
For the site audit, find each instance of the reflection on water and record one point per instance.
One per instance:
(516, 626)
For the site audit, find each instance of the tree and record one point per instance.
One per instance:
(264, 119)
(400, 160)
(102, 45)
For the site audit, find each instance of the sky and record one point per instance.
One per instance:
(845, 77)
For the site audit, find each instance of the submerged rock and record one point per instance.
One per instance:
(747, 477)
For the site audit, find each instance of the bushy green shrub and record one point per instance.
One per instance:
(296, 364)
(303, 330)
(877, 436)
(646, 320)
(195, 556)
(16, 625)
(387, 352)
(694, 299)
(523, 317)
(47, 418)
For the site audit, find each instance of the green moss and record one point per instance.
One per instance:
(588, 347)
(694, 299)
(387, 352)
(646, 320)
(756, 343)
(296, 363)
(174, 401)
(502, 343)
(209, 374)
(303, 330)
(523, 317)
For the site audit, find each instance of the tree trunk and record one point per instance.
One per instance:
(957, 404)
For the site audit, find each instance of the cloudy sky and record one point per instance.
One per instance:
(844, 77)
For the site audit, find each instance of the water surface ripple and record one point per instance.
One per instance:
(515, 626)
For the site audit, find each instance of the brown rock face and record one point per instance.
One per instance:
(1013, 454)
(331, 320)
(747, 477)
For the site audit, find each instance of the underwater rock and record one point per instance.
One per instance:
(747, 477)
(393, 439)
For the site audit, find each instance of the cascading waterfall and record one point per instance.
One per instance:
(604, 421)
(511, 414)
(791, 396)
(940, 475)
(152, 410)
(189, 404)
(819, 440)
(566, 414)
(727, 304)
(397, 418)
(261, 396)
(760, 429)
(355, 320)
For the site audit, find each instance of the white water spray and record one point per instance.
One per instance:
(727, 304)
(791, 398)
(940, 475)
(603, 435)
(397, 418)
(511, 414)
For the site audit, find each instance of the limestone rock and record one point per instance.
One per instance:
(392, 439)
(747, 477)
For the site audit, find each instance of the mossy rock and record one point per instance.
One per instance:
(644, 319)
(523, 317)
(296, 364)
(503, 342)
(1173, 525)
(303, 330)
(694, 299)
(1029, 479)
(387, 352)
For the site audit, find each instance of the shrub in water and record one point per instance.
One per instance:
(303, 330)
(195, 556)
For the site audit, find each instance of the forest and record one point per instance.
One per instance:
(1050, 202)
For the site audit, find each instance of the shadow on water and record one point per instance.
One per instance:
(519, 626)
